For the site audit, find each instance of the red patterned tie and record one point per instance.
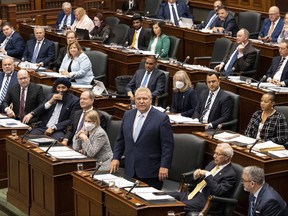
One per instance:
(22, 104)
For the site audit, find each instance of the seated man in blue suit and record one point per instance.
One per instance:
(272, 26)
(215, 106)
(66, 17)
(263, 199)
(218, 178)
(278, 71)
(12, 44)
(212, 15)
(149, 77)
(39, 49)
(173, 10)
(56, 111)
(146, 137)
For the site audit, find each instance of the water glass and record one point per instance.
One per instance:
(14, 134)
(248, 81)
(79, 166)
(170, 213)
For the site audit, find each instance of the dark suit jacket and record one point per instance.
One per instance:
(272, 70)
(153, 148)
(143, 39)
(209, 16)
(182, 9)
(247, 61)
(221, 109)
(156, 83)
(229, 24)
(46, 53)
(60, 17)
(34, 98)
(12, 82)
(70, 104)
(268, 202)
(15, 46)
(266, 26)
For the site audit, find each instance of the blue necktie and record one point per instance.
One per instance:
(206, 107)
(35, 53)
(138, 127)
(211, 21)
(252, 206)
(174, 15)
(145, 80)
(228, 67)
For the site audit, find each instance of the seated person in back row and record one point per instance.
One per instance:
(268, 124)
(102, 31)
(65, 17)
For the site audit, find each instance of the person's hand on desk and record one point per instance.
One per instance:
(130, 94)
(10, 113)
(114, 165)
(163, 173)
(27, 118)
(65, 73)
(218, 67)
(40, 64)
(3, 51)
(218, 29)
(275, 82)
(265, 39)
(49, 131)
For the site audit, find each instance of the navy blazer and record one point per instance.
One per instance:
(266, 26)
(268, 202)
(221, 109)
(143, 39)
(46, 53)
(60, 17)
(182, 9)
(229, 24)
(12, 82)
(153, 148)
(70, 104)
(272, 70)
(209, 16)
(15, 46)
(156, 82)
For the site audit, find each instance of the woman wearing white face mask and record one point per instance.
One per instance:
(93, 141)
(184, 98)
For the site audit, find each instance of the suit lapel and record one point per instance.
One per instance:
(167, 11)
(285, 71)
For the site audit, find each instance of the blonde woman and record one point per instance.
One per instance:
(82, 21)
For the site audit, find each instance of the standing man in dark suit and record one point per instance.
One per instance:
(212, 15)
(56, 111)
(278, 71)
(12, 44)
(272, 26)
(138, 36)
(66, 17)
(214, 106)
(218, 178)
(39, 49)
(225, 22)
(263, 199)
(8, 78)
(173, 10)
(241, 57)
(23, 97)
(146, 137)
(149, 77)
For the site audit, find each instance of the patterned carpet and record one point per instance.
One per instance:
(6, 208)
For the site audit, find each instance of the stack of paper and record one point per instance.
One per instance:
(52, 74)
(119, 181)
(148, 193)
(182, 119)
(268, 146)
(4, 122)
(279, 154)
(235, 138)
(63, 152)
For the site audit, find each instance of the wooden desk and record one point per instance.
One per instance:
(276, 170)
(92, 199)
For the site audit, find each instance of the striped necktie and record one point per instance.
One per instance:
(5, 87)
(280, 64)
(175, 18)
(207, 106)
(35, 53)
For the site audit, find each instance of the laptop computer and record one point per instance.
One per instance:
(82, 34)
(186, 22)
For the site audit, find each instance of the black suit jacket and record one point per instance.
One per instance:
(15, 46)
(272, 70)
(209, 16)
(229, 24)
(221, 109)
(34, 98)
(247, 61)
(143, 39)
(12, 82)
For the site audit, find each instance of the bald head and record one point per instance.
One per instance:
(274, 13)
(23, 78)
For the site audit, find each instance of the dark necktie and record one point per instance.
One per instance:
(69, 67)
(81, 123)
(252, 206)
(228, 67)
(174, 15)
(65, 21)
(207, 106)
(5, 87)
(22, 104)
(280, 64)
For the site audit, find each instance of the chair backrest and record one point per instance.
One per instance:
(235, 111)
(253, 71)
(283, 110)
(56, 46)
(250, 21)
(199, 87)
(112, 21)
(162, 101)
(99, 64)
(46, 89)
(151, 6)
(113, 131)
(174, 44)
(120, 33)
(121, 82)
(105, 119)
(221, 47)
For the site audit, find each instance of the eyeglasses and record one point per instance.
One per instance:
(219, 154)
(243, 180)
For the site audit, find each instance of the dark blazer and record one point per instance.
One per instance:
(12, 82)
(60, 17)
(229, 24)
(266, 26)
(268, 202)
(209, 16)
(34, 98)
(156, 83)
(182, 9)
(57, 63)
(272, 70)
(15, 46)
(153, 148)
(101, 34)
(221, 109)
(184, 102)
(247, 61)
(70, 104)
(143, 39)
(46, 53)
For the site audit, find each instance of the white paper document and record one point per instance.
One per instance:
(264, 85)
(29, 65)
(63, 152)
(267, 146)
(11, 123)
(182, 119)
(79, 85)
(146, 193)
(51, 74)
(119, 181)
(279, 154)
(197, 67)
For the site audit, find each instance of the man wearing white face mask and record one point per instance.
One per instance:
(93, 141)
(184, 99)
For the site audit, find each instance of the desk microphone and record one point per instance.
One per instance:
(72, 77)
(28, 131)
(250, 149)
(184, 62)
(40, 64)
(219, 126)
(136, 183)
(52, 144)
(97, 168)
(125, 45)
(261, 80)
(167, 109)
(147, 13)
(21, 60)
(162, 50)
(102, 2)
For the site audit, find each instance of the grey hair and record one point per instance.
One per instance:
(255, 174)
